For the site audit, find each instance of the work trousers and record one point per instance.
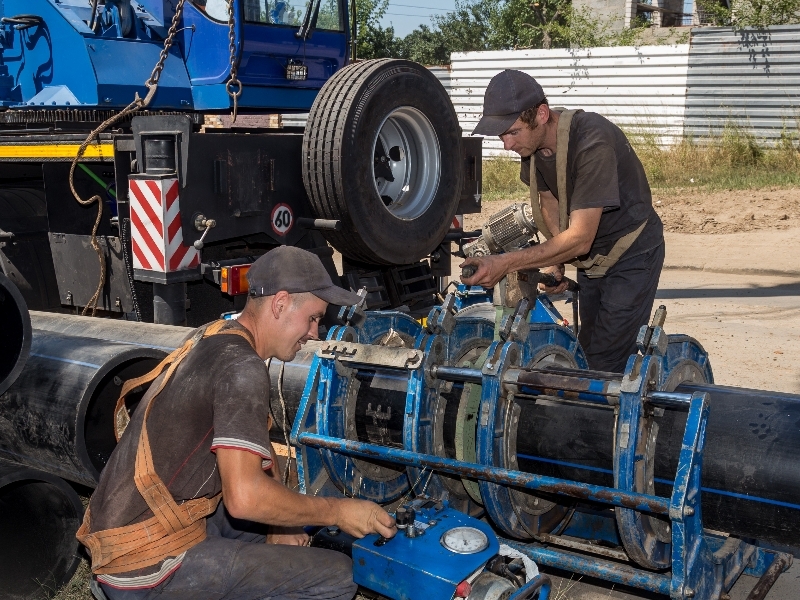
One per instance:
(234, 563)
(614, 307)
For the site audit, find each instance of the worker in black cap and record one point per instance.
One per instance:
(189, 495)
(591, 201)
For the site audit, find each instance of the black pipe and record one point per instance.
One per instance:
(15, 328)
(148, 335)
(751, 487)
(39, 515)
(58, 415)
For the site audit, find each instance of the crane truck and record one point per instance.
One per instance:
(129, 189)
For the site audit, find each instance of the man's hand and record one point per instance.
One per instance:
(288, 536)
(558, 272)
(490, 270)
(361, 517)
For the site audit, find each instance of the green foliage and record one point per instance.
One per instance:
(468, 28)
(373, 40)
(752, 13)
(501, 179)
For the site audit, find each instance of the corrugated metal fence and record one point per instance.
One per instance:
(640, 88)
(750, 77)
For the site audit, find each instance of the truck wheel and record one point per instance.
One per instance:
(382, 153)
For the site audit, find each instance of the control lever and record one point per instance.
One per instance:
(354, 315)
(201, 223)
(515, 326)
(549, 280)
(652, 339)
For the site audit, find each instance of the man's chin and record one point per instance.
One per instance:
(288, 357)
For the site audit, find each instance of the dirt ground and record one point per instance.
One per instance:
(691, 211)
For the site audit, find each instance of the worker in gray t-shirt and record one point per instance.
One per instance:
(597, 213)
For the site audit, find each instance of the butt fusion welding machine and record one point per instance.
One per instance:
(496, 449)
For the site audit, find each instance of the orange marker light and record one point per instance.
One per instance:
(233, 280)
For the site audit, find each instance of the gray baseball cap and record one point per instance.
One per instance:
(293, 270)
(509, 94)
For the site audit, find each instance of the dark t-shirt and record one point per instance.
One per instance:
(603, 171)
(217, 398)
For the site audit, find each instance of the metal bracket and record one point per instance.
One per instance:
(365, 354)
(441, 319)
(354, 314)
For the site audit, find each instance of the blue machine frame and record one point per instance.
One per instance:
(663, 535)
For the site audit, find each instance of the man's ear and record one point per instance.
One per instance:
(280, 303)
(543, 114)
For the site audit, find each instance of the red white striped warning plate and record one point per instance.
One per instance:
(156, 235)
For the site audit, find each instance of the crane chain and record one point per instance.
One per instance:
(233, 82)
(137, 104)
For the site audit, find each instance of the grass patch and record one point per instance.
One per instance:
(733, 160)
(78, 586)
(501, 179)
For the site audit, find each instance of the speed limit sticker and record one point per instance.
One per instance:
(282, 219)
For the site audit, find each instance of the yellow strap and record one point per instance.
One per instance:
(562, 148)
(599, 265)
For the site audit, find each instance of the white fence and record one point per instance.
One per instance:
(638, 88)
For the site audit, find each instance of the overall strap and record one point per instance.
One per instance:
(174, 528)
(562, 149)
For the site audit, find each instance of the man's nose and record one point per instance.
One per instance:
(313, 331)
(507, 142)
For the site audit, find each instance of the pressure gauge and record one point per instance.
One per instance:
(465, 540)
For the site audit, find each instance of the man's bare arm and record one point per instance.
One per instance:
(251, 494)
(575, 241)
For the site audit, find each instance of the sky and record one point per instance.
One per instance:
(407, 15)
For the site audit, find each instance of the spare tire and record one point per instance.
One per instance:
(382, 153)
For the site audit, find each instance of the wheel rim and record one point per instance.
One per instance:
(406, 164)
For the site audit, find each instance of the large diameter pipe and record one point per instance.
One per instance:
(149, 335)
(58, 414)
(751, 463)
(39, 516)
(15, 328)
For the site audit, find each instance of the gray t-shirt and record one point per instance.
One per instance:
(603, 171)
(218, 397)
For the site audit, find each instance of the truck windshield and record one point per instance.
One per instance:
(288, 13)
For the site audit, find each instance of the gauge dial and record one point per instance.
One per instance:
(465, 540)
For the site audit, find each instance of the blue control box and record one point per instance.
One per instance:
(435, 549)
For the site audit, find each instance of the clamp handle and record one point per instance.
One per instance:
(201, 223)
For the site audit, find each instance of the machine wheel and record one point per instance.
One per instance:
(381, 153)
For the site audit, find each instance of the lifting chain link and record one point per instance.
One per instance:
(137, 104)
(233, 82)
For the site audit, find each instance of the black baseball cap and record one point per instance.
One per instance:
(509, 93)
(294, 270)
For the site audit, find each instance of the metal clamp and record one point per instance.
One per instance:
(366, 354)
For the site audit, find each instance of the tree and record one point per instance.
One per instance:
(374, 41)
(466, 29)
(752, 13)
